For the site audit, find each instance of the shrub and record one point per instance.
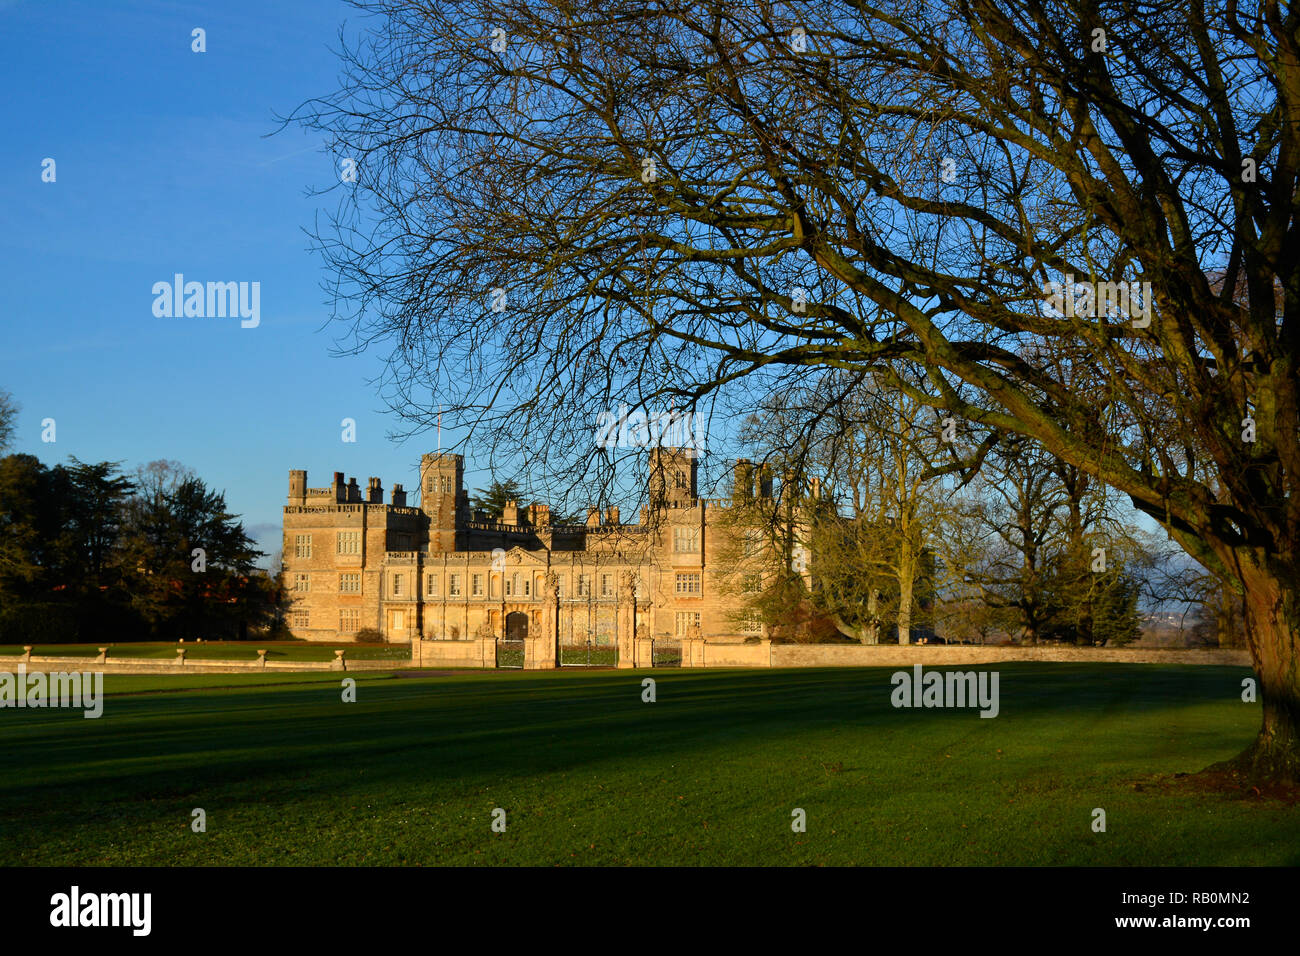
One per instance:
(369, 635)
(39, 624)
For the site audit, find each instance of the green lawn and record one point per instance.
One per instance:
(224, 650)
(588, 774)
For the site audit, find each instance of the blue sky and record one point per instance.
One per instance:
(164, 165)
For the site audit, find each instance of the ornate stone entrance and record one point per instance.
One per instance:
(510, 647)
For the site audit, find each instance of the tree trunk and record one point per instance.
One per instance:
(907, 561)
(1272, 611)
(1028, 625)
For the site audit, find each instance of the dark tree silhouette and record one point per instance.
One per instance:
(561, 206)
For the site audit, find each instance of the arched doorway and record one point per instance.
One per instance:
(510, 646)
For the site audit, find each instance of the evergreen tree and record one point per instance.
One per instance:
(492, 500)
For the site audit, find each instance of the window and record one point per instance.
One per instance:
(397, 620)
(349, 542)
(606, 585)
(512, 585)
(349, 584)
(584, 585)
(688, 584)
(686, 540)
(527, 587)
(302, 546)
(681, 479)
(349, 620)
(753, 542)
(686, 620)
(750, 624)
(562, 585)
(398, 585)
(751, 583)
(302, 583)
(453, 585)
(476, 585)
(299, 620)
(431, 585)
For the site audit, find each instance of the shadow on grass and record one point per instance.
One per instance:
(492, 725)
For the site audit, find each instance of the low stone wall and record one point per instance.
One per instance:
(481, 653)
(892, 655)
(181, 664)
(701, 653)
(476, 652)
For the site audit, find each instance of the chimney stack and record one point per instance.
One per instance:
(374, 491)
(611, 514)
(399, 496)
(593, 517)
(743, 476)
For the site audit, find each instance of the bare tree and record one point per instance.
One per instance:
(1051, 547)
(879, 449)
(8, 419)
(705, 202)
(859, 496)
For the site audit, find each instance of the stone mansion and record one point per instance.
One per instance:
(438, 572)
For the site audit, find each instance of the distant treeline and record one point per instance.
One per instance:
(89, 553)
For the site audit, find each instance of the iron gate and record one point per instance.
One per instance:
(665, 653)
(588, 653)
(510, 652)
(510, 646)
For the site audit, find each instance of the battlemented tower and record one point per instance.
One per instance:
(672, 478)
(442, 497)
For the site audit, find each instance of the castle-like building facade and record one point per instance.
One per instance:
(437, 571)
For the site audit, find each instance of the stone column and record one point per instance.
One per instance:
(539, 651)
(488, 650)
(644, 649)
(550, 645)
(692, 648)
(627, 620)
